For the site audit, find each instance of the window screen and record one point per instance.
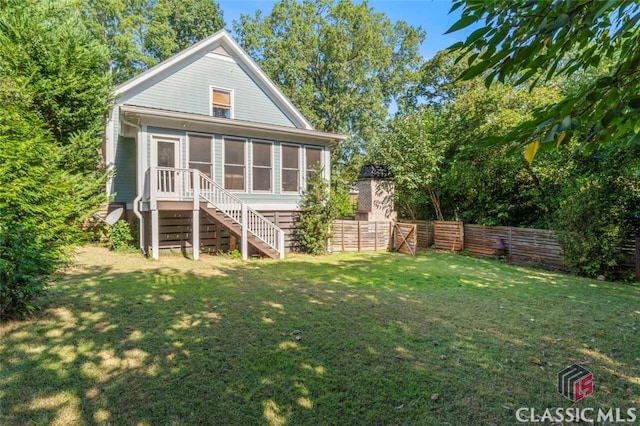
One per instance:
(234, 164)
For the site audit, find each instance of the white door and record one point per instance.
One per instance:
(167, 161)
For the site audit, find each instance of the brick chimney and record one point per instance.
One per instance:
(375, 194)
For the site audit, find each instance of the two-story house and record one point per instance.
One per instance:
(204, 146)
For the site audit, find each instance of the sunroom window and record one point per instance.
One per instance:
(314, 160)
(234, 164)
(262, 166)
(290, 168)
(200, 154)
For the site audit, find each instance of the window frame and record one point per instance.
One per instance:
(299, 169)
(231, 100)
(306, 170)
(271, 167)
(224, 163)
(212, 151)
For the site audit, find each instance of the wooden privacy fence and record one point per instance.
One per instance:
(522, 245)
(358, 235)
(448, 235)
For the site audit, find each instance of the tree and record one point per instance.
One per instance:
(178, 24)
(535, 41)
(599, 211)
(414, 151)
(54, 93)
(342, 64)
(435, 154)
(318, 210)
(141, 33)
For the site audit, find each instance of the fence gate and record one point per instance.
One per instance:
(404, 238)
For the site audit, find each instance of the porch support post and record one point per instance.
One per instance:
(244, 243)
(155, 234)
(281, 243)
(195, 228)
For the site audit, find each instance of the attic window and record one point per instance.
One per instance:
(220, 103)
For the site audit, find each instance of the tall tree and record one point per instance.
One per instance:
(54, 94)
(141, 33)
(342, 64)
(535, 41)
(175, 25)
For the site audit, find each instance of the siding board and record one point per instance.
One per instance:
(188, 90)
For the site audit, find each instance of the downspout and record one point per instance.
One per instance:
(140, 184)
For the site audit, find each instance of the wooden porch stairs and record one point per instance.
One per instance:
(236, 229)
(229, 211)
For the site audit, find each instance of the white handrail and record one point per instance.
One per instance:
(258, 225)
(175, 183)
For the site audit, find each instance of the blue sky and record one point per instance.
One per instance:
(431, 15)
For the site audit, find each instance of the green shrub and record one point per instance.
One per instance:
(318, 211)
(592, 226)
(120, 237)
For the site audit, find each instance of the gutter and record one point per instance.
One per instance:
(139, 191)
(230, 124)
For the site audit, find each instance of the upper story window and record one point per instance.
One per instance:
(221, 103)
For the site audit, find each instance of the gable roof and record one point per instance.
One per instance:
(221, 38)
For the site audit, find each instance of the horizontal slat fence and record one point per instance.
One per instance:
(448, 235)
(424, 228)
(358, 235)
(521, 245)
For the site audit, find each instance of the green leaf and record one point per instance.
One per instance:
(489, 79)
(463, 22)
(560, 22)
(565, 124)
(526, 76)
(635, 102)
(476, 35)
(456, 46)
(608, 117)
(474, 71)
(456, 6)
(604, 82)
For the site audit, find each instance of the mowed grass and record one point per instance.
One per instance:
(343, 339)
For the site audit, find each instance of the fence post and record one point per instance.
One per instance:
(244, 248)
(358, 235)
(510, 247)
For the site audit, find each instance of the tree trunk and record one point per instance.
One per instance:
(435, 201)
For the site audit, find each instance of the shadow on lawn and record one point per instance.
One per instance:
(359, 341)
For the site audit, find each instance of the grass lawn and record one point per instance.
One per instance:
(344, 339)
